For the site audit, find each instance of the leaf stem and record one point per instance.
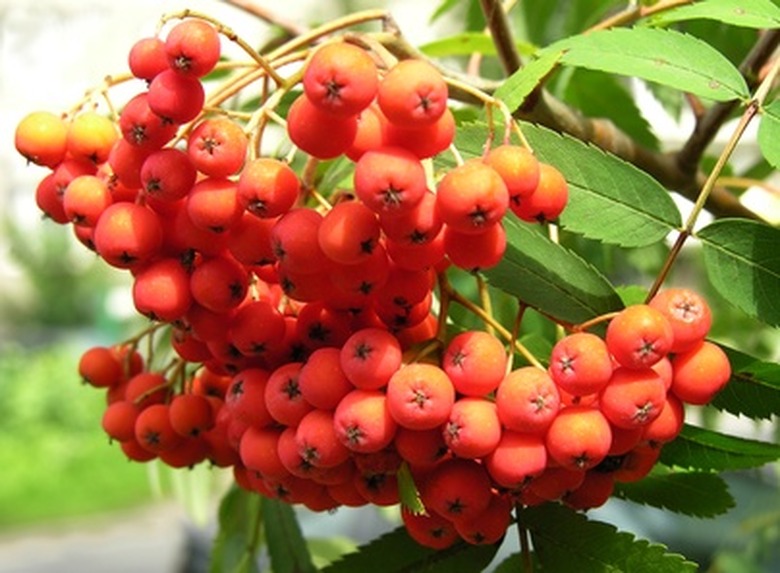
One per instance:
(526, 560)
(752, 109)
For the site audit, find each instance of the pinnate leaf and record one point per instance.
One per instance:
(396, 551)
(698, 493)
(466, 43)
(745, 13)
(754, 388)
(705, 449)
(550, 278)
(769, 133)
(565, 540)
(286, 545)
(743, 263)
(657, 55)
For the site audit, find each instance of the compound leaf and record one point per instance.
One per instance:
(704, 449)
(550, 278)
(769, 133)
(237, 538)
(657, 55)
(564, 539)
(743, 264)
(286, 545)
(753, 390)
(745, 13)
(396, 551)
(698, 493)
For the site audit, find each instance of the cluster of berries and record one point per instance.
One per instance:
(292, 319)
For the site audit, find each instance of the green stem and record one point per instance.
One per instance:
(752, 109)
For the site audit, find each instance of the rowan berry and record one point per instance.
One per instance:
(412, 92)
(547, 201)
(517, 459)
(687, 312)
(363, 421)
(390, 179)
(147, 58)
(475, 252)
(127, 235)
(268, 187)
(475, 362)
(370, 357)
(527, 400)
(217, 147)
(317, 440)
(193, 47)
(471, 197)
(340, 79)
(517, 167)
(700, 373)
(420, 396)
(320, 134)
(473, 429)
(430, 529)
(153, 429)
(191, 414)
(579, 437)
(41, 137)
(161, 290)
(457, 489)
(321, 380)
(118, 420)
(99, 367)
(639, 336)
(580, 363)
(219, 283)
(176, 97)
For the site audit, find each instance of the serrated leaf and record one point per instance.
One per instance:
(550, 278)
(769, 133)
(565, 540)
(753, 390)
(610, 200)
(467, 43)
(664, 56)
(597, 94)
(396, 552)
(237, 539)
(704, 449)
(408, 492)
(286, 546)
(520, 84)
(742, 260)
(699, 494)
(746, 13)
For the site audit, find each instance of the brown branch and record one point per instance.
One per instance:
(498, 24)
(290, 28)
(709, 124)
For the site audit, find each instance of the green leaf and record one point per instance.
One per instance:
(443, 8)
(743, 264)
(746, 13)
(597, 94)
(520, 84)
(610, 200)
(565, 540)
(286, 545)
(769, 133)
(550, 278)
(753, 390)
(467, 43)
(408, 492)
(238, 536)
(699, 494)
(664, 56)
(396, 551)
(704, 449)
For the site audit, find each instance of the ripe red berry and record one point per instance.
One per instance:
(41, 137)
(320, 134)
(420, 396)
(370, 357)
(700, 373)
(475, 362)
(579, 437)
(390, 179)
(192, 47)
(127, 235)
(580, 363)
(547, 201)
(639, 336)
(217, 147)
(471, 197)
(412, 92)
(687, 312)
(363, 422)
(340, 79)
(268, 187)
(527, 400)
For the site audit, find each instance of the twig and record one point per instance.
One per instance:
(710, 123)
(498, 23)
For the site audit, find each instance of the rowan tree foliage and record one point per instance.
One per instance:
(459, 279)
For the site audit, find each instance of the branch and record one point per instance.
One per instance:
(710, 123)
(501, 32)
(290, 29)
